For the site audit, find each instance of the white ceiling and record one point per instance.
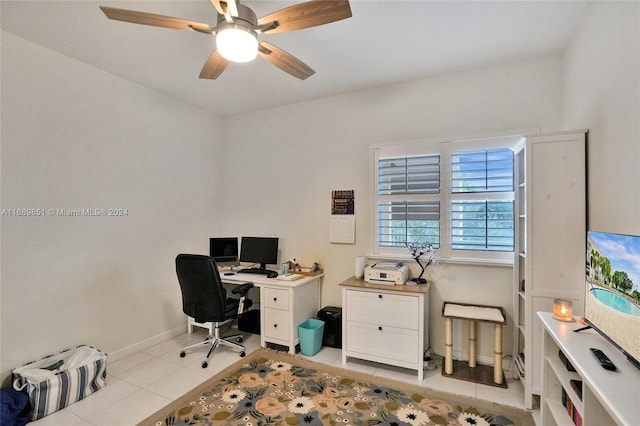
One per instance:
(385, 42)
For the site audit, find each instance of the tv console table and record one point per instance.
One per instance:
(608, 397)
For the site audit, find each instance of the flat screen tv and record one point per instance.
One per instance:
(612, 298)
(261, 250)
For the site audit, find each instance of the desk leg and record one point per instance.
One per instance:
(472, 343)
(448, 346)
(263, 318)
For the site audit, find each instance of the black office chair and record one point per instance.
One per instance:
(205, 299)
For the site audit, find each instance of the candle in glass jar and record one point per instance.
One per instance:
(562, 310)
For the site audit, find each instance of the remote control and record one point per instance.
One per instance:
(603, 359)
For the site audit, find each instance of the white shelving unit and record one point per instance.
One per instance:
(519, 267)
(608, 397)
(550, 211)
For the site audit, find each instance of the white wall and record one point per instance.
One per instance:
(602, 93)
(76, 137)
(282, 164)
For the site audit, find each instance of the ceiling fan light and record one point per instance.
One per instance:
(237, 43)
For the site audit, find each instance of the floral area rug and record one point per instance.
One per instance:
(268, 387)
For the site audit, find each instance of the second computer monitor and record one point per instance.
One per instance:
(262, 250)
(224, 250)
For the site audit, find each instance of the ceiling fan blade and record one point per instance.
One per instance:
(218, 5)
(152, 19)
(214, 66)
(232, 7)
(286, 62)
(228, 8)
(308, 14)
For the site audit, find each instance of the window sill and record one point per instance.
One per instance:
(450, 260)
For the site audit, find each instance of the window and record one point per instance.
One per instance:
(457, 196)
(489, 170)
(482, 225)
(411, 175)
(479, 223)
(402, 222)
(405, 211)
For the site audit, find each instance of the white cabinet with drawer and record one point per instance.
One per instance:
(276, 298)
(276, 324)
(385, 323)
(284, 305)
(276, 313)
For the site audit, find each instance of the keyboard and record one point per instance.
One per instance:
(253, 271)
(266, 272)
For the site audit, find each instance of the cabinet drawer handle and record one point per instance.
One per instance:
(380, 328)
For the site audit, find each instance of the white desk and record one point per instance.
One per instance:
(283, 305)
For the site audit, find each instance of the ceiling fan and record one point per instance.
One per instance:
(237, 31)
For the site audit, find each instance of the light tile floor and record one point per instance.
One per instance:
(144, 382)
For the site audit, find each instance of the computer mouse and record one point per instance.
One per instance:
(229, 273)
(272, 274)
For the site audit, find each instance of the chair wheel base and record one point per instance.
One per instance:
(239, 339)
(182, 354)
(205, 364)
(242, 354)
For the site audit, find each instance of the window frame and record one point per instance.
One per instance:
(443, 148)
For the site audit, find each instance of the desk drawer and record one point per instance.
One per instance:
(276, 324)
(276, 298)
(383, 309)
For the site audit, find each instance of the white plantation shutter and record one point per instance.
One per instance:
(407, 211)
(488, 170)
(409, 175)
(402, 222)
(457, 196)
(480, 222)
(482, 225)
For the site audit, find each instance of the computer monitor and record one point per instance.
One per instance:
(224, 250)
(262, 250)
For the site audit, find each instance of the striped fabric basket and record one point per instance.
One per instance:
(57, 381)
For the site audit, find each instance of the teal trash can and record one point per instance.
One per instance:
(310, 332)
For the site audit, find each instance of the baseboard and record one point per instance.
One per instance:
(144, 344)
(6, 376)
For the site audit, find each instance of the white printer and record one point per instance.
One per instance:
(386, 273)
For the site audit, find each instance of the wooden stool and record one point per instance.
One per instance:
(474, 313)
